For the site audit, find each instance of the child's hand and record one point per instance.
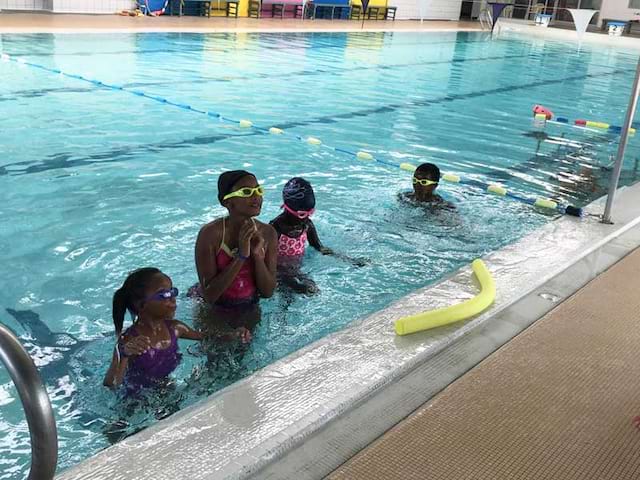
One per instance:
(361, 262)
(258, 249)
(247, 231)
(326, 251)
(136, 346)
(243, 334)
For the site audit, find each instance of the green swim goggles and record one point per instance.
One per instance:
(245, 192)
(423, 181)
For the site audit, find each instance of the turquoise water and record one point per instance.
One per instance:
(95, 182)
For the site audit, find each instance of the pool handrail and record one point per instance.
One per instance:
(37, 407)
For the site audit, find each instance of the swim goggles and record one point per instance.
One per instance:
(301, 214)
(164, 294)
(423, 181)
(245, 192)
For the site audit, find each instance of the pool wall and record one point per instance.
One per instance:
(304, 415)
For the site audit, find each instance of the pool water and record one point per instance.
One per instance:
(95, 182)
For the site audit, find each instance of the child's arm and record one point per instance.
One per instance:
(116, 370)
(264, 251)
(124, 349)
(185, 331)
(314, 240)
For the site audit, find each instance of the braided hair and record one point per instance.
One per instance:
(132, 291)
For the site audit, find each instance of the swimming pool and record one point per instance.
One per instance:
(96, 182)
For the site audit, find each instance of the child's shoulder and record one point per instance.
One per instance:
(211, 229)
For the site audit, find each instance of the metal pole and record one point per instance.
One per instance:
(37, 408)
(624, 137)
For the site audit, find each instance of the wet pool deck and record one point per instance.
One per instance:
(61, 23)
(556, 402)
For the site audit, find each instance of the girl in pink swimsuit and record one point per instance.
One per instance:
(236, 256)
(294, 228)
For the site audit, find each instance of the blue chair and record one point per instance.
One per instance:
(154, 8)
(343, 7)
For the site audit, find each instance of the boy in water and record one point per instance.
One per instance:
(425, 182)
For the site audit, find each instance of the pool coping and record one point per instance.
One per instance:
(290, 419)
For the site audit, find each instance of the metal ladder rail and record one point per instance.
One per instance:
(37, 407)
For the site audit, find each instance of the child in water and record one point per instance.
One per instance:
(425, 181)
(236, 255)
(294, 227)
(147, 352)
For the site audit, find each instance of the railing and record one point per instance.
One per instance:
(37, 408)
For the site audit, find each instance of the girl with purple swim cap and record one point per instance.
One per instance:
(295, 228)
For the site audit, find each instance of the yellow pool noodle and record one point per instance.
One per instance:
(276, 131)
(314, 141)
(450, 177)
(545, 203)
(408, 167)
(245, 123)
(497, 189)
(454, 313)
(364, 156)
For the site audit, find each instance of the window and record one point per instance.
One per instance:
(634, 3)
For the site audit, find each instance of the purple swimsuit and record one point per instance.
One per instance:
(154, 365)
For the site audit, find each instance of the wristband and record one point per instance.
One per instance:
(241, 257)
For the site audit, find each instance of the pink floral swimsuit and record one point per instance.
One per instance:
(292, 246)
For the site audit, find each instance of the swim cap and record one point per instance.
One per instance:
(227, 180)
(297, 194)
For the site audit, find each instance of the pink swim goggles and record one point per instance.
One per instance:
(301, 214)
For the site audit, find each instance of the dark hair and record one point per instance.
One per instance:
(132, 291)
(297, 194)
(429, 170)
(227, 180)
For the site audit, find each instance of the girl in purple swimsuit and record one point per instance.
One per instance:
(147, 352)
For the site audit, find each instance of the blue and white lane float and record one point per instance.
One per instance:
(359, 155)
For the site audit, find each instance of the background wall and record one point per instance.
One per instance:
(69, 6)
(619, 10)
(431, 9)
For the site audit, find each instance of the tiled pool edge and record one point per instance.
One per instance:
(285, 411)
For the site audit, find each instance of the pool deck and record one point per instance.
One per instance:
(62, 23)
(556, 402)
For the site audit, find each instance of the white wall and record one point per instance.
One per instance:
(21, 4)
(92, 6)
(69, 6)
(432, 9)
(618, 10)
